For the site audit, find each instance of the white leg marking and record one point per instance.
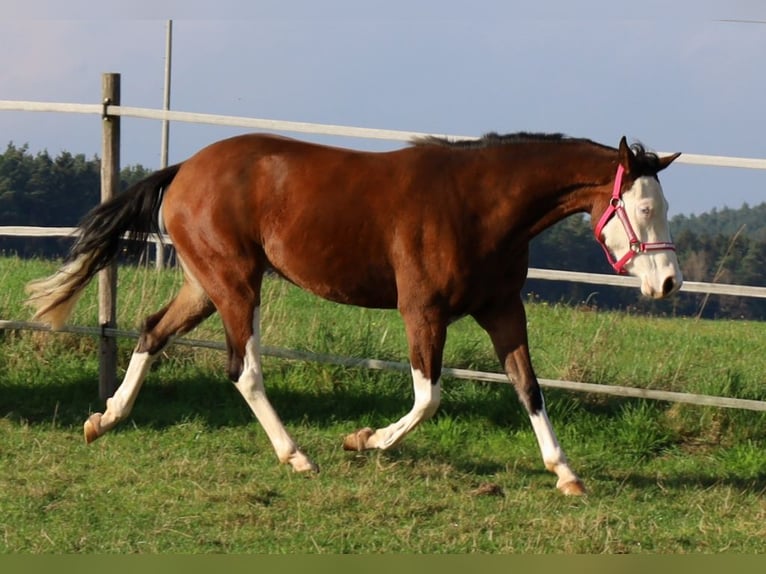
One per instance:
(250, 385)
(553, 457)
(427, 398)
(121, 403)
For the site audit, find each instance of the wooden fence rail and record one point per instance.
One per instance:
(464, 374)
(534, 272)
(111, 111)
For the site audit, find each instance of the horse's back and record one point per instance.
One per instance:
(320, 216)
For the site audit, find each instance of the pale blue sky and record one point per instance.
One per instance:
(677, 79)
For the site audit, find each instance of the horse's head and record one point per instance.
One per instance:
(634, 227)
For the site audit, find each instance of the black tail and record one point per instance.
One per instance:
(133, 214)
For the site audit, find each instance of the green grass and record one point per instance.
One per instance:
(191, 471)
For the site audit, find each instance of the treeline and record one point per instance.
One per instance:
(709, 256)
(726, 222)
(45, 191)
(724, 246)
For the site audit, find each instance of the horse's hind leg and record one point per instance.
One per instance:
(244, 340)
(189, 308)
(239, 307)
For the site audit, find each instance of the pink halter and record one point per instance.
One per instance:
(617, 206)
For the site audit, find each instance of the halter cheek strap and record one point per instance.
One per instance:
(617, 206)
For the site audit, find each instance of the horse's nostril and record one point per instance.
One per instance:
(667, 286)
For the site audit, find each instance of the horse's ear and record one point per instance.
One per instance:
(667, 160)
(625, 154)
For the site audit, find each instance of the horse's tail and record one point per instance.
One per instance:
(133, 213)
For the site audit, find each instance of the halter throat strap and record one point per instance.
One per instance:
(617, 207)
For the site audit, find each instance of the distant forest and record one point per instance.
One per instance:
(723, 246)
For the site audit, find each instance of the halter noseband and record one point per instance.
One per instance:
(617, 206)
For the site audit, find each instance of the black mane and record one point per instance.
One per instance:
(646, 162)
(491, 139)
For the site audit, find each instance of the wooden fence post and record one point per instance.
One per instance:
(107, 278)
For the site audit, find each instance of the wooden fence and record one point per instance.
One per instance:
(111, 111)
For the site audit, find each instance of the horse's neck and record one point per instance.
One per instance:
(574, 189)
(577, 198)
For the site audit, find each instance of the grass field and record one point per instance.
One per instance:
(191, 471)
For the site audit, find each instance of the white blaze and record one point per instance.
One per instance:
(647, 211)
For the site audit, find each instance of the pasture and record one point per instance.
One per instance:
(191, 471)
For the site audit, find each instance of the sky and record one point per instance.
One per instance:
(686, 76)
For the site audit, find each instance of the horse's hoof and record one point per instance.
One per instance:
(301, 463)
(572, 488)
(358, 441)
(92, 427)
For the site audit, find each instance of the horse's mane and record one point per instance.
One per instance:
(647, 162)
(491, 139)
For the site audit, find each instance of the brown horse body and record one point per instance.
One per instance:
(437, 230)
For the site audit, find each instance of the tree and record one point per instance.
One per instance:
(39, 190)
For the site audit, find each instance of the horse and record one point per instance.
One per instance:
(438, 229)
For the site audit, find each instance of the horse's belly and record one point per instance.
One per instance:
(377, 294)
(359, 283)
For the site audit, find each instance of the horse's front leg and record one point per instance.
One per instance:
(426, 333)
(507, 327)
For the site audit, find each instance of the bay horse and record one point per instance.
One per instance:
(439, 229)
